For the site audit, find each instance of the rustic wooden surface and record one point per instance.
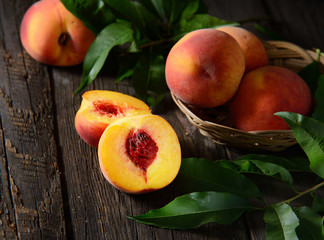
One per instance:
(51, 186)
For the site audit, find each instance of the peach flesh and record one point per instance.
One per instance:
(107, 109)
(99, 108)
(139, 154)
(204, 68)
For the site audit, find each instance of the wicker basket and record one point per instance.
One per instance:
(215, 124)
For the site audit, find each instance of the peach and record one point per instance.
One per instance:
(99, 108)
(139, 154)
(265, 91)
(52, 35)
(204, 68)
(254, 52)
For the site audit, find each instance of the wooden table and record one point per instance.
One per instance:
(51, 186)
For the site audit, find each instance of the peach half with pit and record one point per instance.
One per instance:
(139, 154)
(101, 107)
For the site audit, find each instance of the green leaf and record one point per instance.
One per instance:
(197, 174)
(124, 9)
(158, 5)
(310, 135)
(318, 204)
(281, 222)
(200, 21)
(136, 14)
(310, 224)
(148, 77)
(318, 114)
(157, 86)
(113, 35)
(291, 163)
(194, 209)
(94, 14)
(310, 74)
(175, 10)
(258, 167)
(190, 9)
(126, 66)
(268, 32)
(151, 28)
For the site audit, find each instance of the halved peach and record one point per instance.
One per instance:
(139, 154)
(101, 107)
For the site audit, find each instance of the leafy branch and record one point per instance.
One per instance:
(310, 190)
(142, 33)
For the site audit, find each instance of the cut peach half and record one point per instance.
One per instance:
(139, 154)
(99, 108)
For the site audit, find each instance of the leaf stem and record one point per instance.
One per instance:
(163, 40)
(303, 193)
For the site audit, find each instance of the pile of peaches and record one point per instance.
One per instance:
(228, 66)
(139, 151)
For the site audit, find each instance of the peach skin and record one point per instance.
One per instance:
(265, 91)
(52, 35)
(204, 68)
(254, 52)
(99, 108)
(139, 154)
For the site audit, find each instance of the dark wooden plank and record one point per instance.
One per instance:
(37, 138)
(300, 22)
(31, 197)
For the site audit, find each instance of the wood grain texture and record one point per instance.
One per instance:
(31, 198)
(50, 183)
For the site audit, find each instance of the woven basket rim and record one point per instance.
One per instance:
(182, 105)
(280, 53)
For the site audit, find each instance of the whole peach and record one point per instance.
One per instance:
(204, 68)
(254, 52)
(265, 91)
(52, 35)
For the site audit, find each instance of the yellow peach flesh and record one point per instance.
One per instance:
(118, 168)
(90, 122)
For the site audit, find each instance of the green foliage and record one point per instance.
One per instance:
(319, 98)
(150, 26)
(281, 222)
(94, 14)
(194, 209)
(225, 178)
(202, 175)
(259, 167)
(310, 224)
(310, 136)
(112, 35)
